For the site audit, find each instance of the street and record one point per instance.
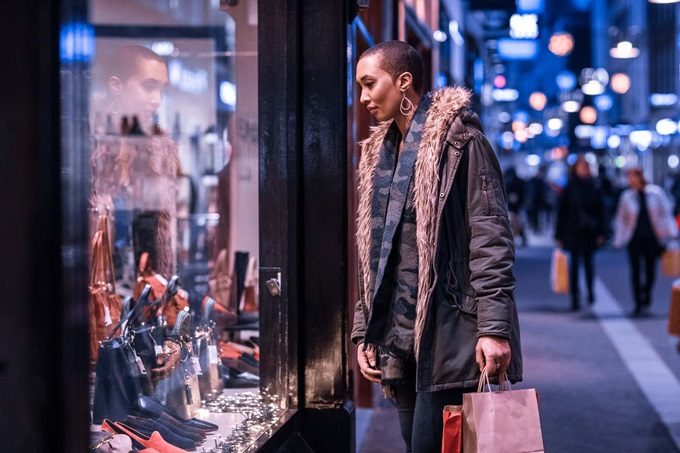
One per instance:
(607, 382)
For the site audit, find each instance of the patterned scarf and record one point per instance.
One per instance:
(393, 251)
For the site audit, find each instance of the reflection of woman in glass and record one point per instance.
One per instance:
(134, 164)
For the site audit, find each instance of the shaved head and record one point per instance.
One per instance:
(396, 58)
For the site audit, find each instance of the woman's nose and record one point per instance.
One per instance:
(364, 99)
(156, 99)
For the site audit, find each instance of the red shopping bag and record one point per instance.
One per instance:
(452, 435)
(674, 312)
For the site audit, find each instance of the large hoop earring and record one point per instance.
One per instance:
(405, 110)
(115, 108)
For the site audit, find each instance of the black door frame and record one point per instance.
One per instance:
(303, 97)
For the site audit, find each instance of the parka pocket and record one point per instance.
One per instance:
(466, 304)
(454, 280)
(457, 296)
(492, 193)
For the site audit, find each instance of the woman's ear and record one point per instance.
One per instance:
(405, 81)
(115, 85)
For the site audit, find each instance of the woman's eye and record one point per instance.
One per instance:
(149, 86)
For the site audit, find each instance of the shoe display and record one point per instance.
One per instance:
(176, 438)
(170, 423)
(149, 407)
(174, 424)
(155, 440)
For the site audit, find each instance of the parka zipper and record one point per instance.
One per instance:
(487, 206)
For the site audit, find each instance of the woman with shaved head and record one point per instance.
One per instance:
(435, 246)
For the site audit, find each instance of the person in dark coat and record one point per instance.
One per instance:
(537, 191)
(436, 251)
(516, 191)
(580, 226)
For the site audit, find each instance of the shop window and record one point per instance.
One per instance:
(174, 238)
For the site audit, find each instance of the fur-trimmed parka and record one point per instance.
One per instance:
(456, 171)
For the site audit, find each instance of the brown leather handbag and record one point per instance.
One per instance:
(168, 298)
(105, 304)
(221, 284)
(147, 276)
(175, 301)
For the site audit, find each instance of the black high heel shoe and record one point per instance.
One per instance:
(149, 407)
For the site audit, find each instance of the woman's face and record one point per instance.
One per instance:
(634, 181)
(379, 93)
(142, 93)
(582, 169)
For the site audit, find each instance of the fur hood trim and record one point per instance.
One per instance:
(445, 106)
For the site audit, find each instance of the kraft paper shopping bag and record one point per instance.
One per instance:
(670, 262)
(560, 272)
(506, 421)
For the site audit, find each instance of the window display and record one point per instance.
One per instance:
(173, 216)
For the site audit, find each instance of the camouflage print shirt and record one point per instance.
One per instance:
(394, 253)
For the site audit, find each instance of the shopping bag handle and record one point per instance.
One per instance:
(503, 381)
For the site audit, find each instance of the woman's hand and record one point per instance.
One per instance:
(366, 360)
(494, 354)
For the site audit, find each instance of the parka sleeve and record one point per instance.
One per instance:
(492, 248)
(359, 326)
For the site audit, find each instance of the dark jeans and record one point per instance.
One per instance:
(587, 257)
(643, 253)
(420, 416)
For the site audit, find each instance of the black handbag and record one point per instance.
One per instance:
(180, 391)
(120, 372)
(147, 340)
(210, 380)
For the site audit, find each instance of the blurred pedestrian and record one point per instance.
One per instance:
(435, 247)
(515, 191)
(580, 226)
(537, 190)
(644, 223)
(608, 200)
(675, 192)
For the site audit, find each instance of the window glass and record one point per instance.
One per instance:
(173, 225)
